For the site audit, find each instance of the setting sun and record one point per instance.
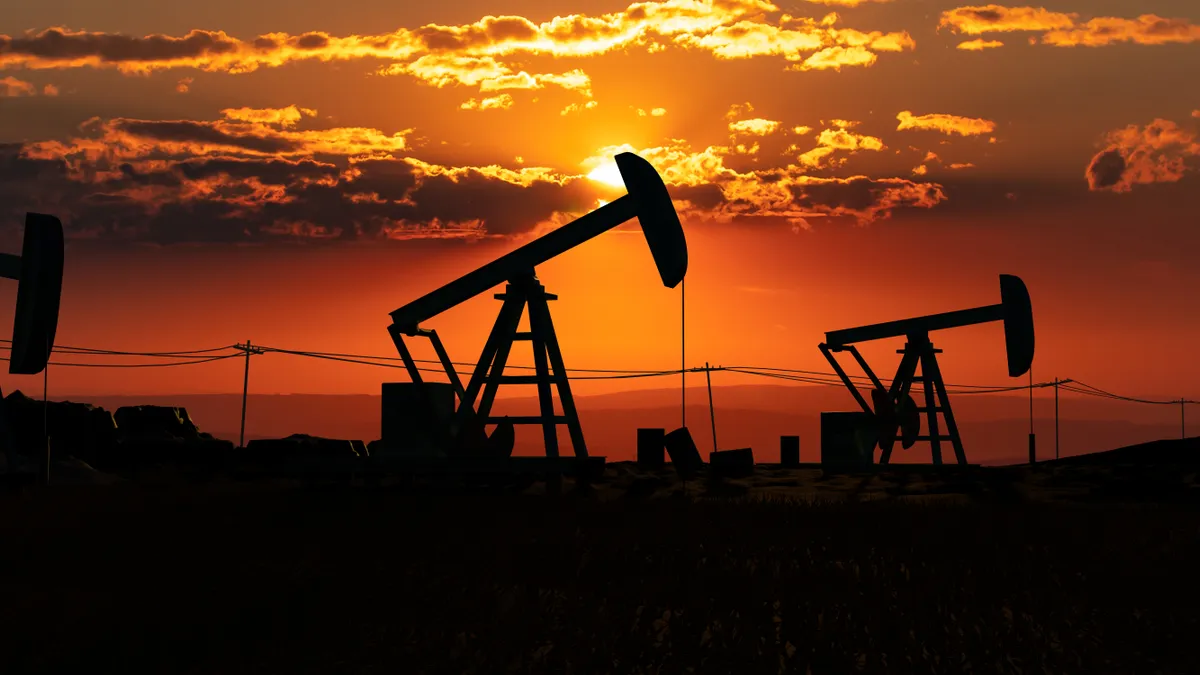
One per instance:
(608, 174)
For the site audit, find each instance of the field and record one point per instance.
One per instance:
(1019, 574)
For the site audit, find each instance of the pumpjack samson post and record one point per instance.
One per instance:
(893, 409)
(466, 435)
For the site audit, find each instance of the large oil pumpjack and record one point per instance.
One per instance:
(466, 434)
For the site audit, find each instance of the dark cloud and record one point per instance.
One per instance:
(507, 208)
(184, 131)
(1106, 169)
(57, 44)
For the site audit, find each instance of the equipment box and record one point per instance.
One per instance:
(847, 439)
(408, 426)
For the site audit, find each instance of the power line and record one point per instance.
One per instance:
(197, 356)
(169, 364)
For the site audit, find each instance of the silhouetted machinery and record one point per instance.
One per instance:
(648, 201)
(893, 411)
(38, 271)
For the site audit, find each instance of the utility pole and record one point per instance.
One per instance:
(46, 410)
(248, 349)
(1055, 417)
(711, 415)
(682, 353)
(1182, 425)
(1032, 438)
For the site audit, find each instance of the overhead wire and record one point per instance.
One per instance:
(210, 355)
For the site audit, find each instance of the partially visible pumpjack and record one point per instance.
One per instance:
(38, 271)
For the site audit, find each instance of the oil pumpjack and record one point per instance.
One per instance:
(895, 411)
(38, 271)
(465, 435)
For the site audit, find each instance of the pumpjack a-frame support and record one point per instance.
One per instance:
(919, 351)
(522, 292)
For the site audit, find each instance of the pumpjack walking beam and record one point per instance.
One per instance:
(647, 200)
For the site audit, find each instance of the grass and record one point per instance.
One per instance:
(133, 579)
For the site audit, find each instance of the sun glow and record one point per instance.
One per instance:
(608, 174)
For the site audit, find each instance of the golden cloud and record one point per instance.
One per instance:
(963, 165)
(480, 54)
(1160, 152)
(830, 141)
(494, 103)
(999, 19)
(184, 85)
(756, 126)
(845, 3)
(12, 87)
(979, 45)
(1147, 29)
(920, 170)
(577, 107)
(1062, 29)
(283, 117)
(947, 124)
(705, 187)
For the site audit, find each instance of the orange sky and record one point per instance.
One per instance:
(290, 174)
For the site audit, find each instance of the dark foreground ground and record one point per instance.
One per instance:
(337, 580)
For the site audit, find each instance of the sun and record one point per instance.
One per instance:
(608, 174)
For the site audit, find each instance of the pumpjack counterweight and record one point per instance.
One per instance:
(895, 413)
(465, 434)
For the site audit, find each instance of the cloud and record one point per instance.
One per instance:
(705, 188)
(831, 141)
(577, 107)
(979, 45)
(1063, 29)
(801, 131)
(50, 90)
(844, 3)
(920, 170)
(12, 87)
(756, 126)
(1160, 152)
(947, 124)
(500, 102)
(282, 117)
(261, 174)
(1196, 113)
(252, 175)
(184, 85)
(981, 19)
(484, 54)
(962, 165)
(1148, 29)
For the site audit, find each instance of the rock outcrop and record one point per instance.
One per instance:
(272, 451)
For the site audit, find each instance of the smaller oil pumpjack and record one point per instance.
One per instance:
(466, 435)
(895, 412)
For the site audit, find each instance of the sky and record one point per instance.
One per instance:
(291, 172)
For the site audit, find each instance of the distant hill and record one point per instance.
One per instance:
(994, 427)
